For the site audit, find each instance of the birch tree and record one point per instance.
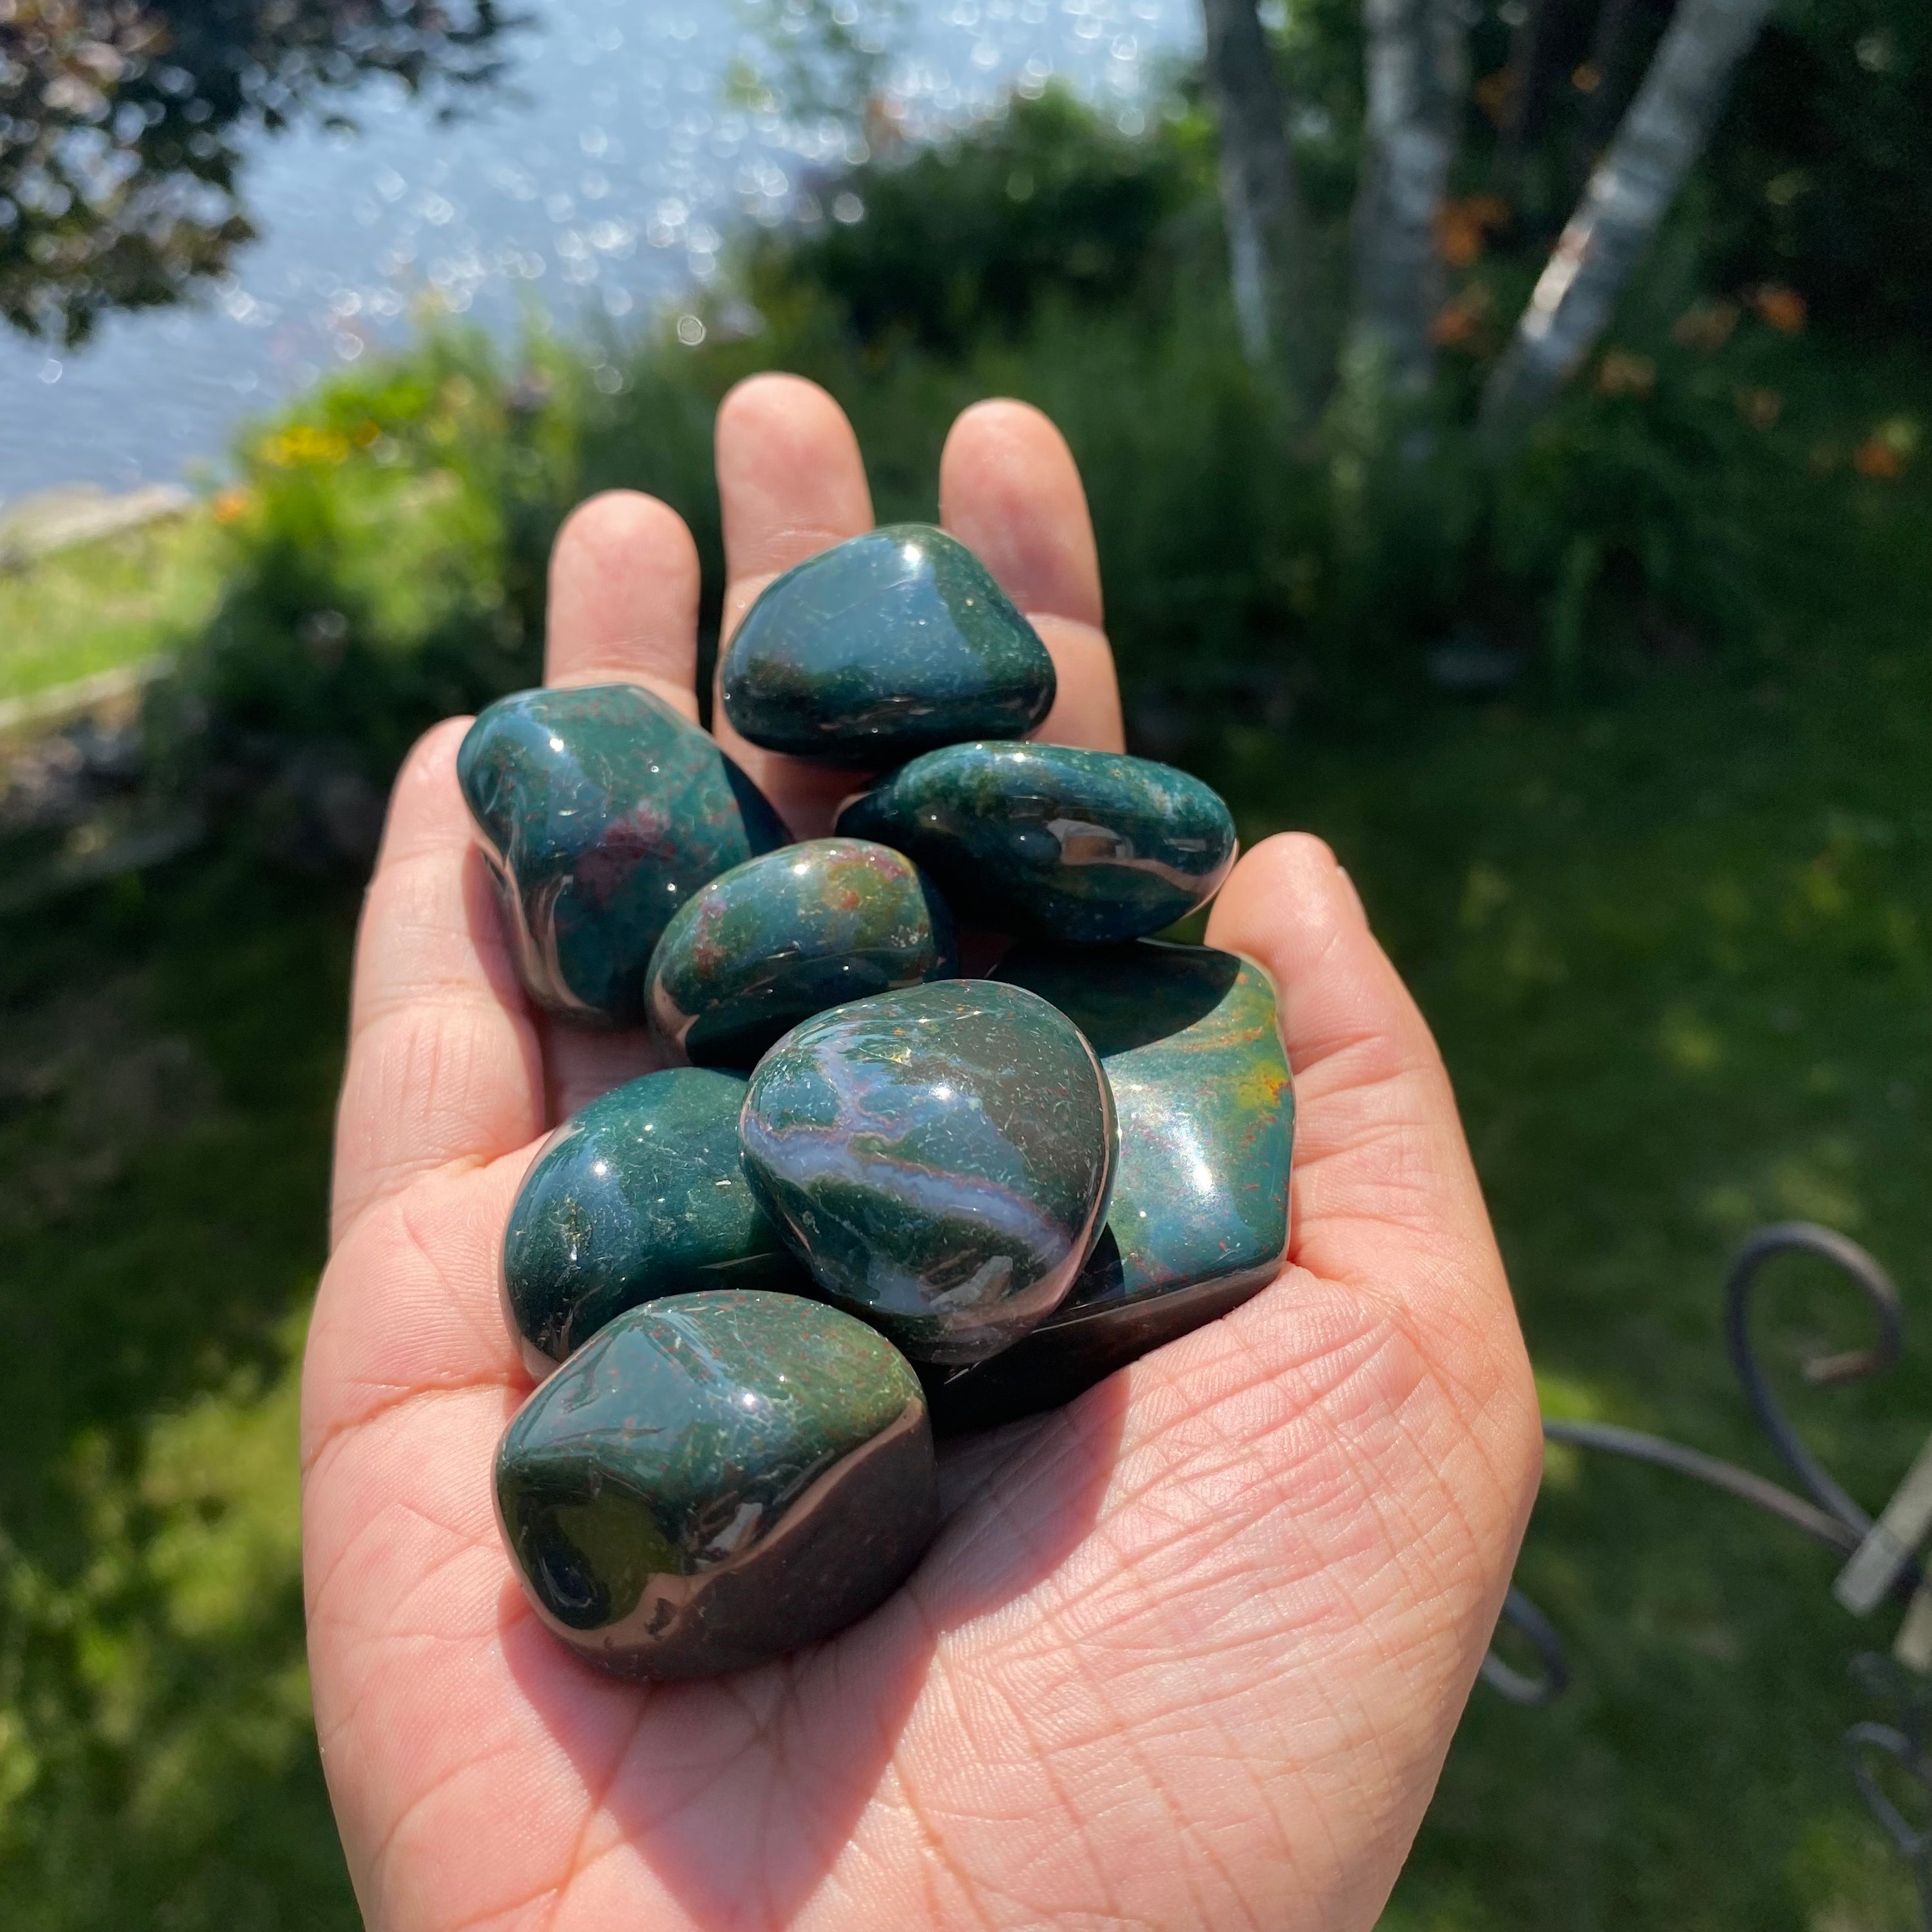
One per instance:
(1627, 196)
(1416, 77)
(1260, 199)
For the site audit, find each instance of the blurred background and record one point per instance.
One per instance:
(1503, 424)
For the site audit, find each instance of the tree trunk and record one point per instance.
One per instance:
(1416, 80)
(1632, 187)
(1261, 200)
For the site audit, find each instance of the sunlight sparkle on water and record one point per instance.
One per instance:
(602, 186)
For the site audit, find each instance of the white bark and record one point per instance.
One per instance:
(1261, 200)
(1416, 77)
(1627, 196)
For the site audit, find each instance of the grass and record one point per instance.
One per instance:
(1673, 937)
(101, 605)
(1678, 956)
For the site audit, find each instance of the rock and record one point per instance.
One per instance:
(602, 810)
(780, 937)
(639, 1195)
(883, 647)
(1053, 842)
(715, 1479)
(1192, 1046)
(938, 1158)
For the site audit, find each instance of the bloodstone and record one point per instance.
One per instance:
(1051, 842)
(601, 811)
(716, 1480)
(1192, 1046)
(939, 1159)
(638, 1195)
(779, 938)
(883, 647)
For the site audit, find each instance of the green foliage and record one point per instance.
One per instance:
(121, 124)
(167, 1068)
(1822, 173)
(947, 246)
(386, 548)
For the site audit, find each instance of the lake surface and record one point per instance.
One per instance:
(597, 187)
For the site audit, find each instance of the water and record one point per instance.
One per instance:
(600, 187)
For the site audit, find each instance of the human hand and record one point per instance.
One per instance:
(1187, 1653)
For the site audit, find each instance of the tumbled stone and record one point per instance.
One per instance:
(1051, 842)
(883, 647)
(601, 811)
(715, 1479)
(779, 938)
(938, 1158)
(639, 1195)
(1191, 1043)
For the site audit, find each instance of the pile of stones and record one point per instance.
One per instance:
(871, 1200)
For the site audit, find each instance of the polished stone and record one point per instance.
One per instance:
(638, 1195)
(779, 938)
(716, 1480)
(601, 811)
(883, 647)
(1191, 1043)
(1054, 842)
(939, 1158)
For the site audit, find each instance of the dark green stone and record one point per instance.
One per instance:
(938, 1158)
(1051, 842)
(779, 938)
(602, 810)
(716, 1480)
(1192, 1045)
(883, 647)
(638, 1195)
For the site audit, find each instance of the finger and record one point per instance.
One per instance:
(1010, 491)
(624, 583)
(791, 483)
(1385, 1198)
(443, 1064)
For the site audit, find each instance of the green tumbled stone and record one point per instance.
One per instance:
(601, 811)
(939, 1159)
(883, 647)
(716, 1480)
(1192, 1045)
(1051, 842)
(780, 938)
(640, 1195)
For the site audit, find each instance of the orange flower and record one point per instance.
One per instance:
(1620, 373)
(1588, 78)
(1463, 226)
(1706, 326)
(1781, 306)
(1460, 320)
(1492, 94)
(231, 506)
(1885, 453)
(1876, 459)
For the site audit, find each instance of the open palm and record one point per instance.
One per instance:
(1185, 1653)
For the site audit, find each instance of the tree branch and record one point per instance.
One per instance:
(1260, 199)
(1417, 76)
(1627, 196)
